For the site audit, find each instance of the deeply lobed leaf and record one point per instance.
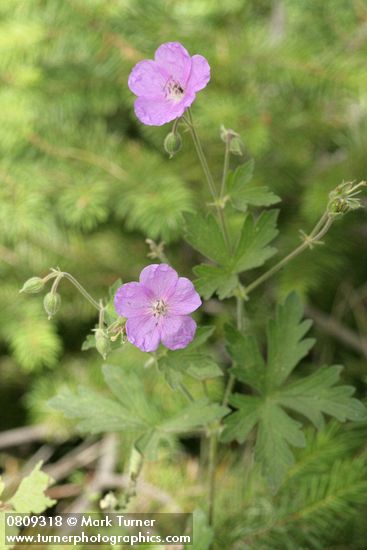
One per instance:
(312, 396)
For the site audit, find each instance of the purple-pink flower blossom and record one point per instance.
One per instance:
(167, 86)
(157, 308)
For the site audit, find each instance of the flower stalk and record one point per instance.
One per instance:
(209, 178)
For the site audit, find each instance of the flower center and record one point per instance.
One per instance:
(159, 308)
(174, 91)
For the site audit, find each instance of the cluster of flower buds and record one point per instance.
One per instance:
(345, 198)
(52, 300)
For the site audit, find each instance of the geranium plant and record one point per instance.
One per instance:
(261, 400)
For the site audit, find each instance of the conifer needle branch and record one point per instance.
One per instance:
(80, 155)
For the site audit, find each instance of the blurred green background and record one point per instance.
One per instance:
(83, 184)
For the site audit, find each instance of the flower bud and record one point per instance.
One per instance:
(172, 143)
(235, 143)
(52, 303)
(33, 285)
(236, 146)
(103, 344)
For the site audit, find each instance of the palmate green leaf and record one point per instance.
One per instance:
(213, 279)
(245, 352)
(253, 247)
(251, 251)
(204, 234)
(243, 192)
(197, 364)
(317, 394)
(94, 413)
(30, 496)
(198, 413)
(312, 397)
(276, 432)
(286, 346)
(133, 411)
(240, 423)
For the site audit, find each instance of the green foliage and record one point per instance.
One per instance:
(29, 498)
(203, 533)
(311, 396)
(192, 361)
(82, 183)
(325, 487)
(243, 193)
(133, 411)
(251, 251)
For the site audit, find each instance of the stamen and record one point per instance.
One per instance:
(174, 91)
(159, 308)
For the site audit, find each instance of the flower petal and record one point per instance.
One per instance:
(177, 332)
(143, 332)
(159, 279)
(173, 58)
(132, 299)
(200, 73)
(156, 111)
(184, 298)
(147, 79)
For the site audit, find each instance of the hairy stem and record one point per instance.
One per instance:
(232, 379)
(81, 289)
(320, 229)
(225, 168)
(208, 175)
(213, 446)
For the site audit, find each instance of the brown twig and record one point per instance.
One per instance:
(84, 454)
(332, 327)
(106, 466)
(20, 436)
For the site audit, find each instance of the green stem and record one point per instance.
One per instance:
(213, 447)
(225, 168)
(101, 315)
(208, 175)
(81, 289)
(56, 282)
(213, 439)
(232, 378)
(320, 229)
(325, 223)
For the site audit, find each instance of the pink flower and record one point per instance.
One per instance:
(157, 308)
(167, 86)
